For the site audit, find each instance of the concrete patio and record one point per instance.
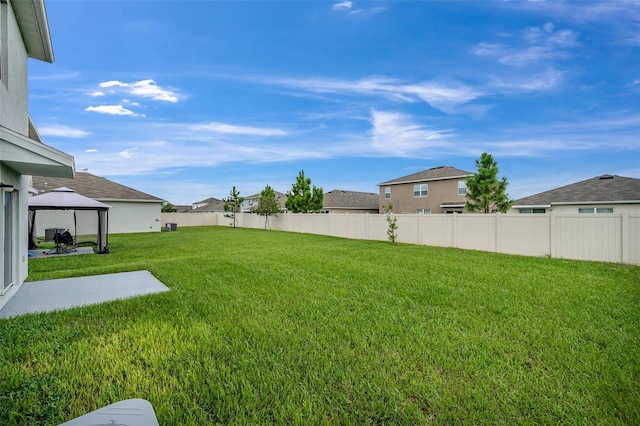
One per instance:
(50, 295)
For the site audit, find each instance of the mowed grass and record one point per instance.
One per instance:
(264, 327)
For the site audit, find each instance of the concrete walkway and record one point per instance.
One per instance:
(50, 295)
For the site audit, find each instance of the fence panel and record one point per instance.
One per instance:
(588, 237)
(528, 236)
(601, 237)
(475, 231)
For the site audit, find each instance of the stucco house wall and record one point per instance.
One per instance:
(439, 191)
(24, 33)
(132, 216)
(617, 207)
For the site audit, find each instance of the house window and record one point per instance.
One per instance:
(387, 192)
(462, 187)
(596, 210)
(423, 211)
(532, 210)
(420, 190)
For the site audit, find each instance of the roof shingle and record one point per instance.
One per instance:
(434, 173)
(338, 199)
(92, 186)
(605, 188)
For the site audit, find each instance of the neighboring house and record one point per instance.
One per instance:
(24, 33)
(338, 201)
(437, 190)
(601, 194)
(210, 205)
(203, 203)
(131, 210)
(251, 202)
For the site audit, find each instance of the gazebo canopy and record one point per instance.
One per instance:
(67, 199)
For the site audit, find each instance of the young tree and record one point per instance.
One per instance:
(303, 198)
(392, 220)
(485, 192)
(267, 205)
(232, 205)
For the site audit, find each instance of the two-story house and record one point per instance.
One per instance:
(251, 202)
(24, 33)
(440, 189)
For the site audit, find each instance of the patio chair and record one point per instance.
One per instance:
(64, 243)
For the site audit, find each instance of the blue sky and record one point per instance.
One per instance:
(184, 100)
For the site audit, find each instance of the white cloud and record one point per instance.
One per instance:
(61, 131)
(111, 110)
(128, 153)
(91, 150)
(144, 88)
(368, 12)
(542, 81)
(348, 5)
(342, 5)
(96, 94)
(215, 127)
(537, 44)
(396, 134)
(443, 94)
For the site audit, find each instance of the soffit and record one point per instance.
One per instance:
(29, 157)
(31, 16)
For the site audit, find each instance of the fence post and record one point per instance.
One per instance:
(624, 228)
(497, 236)
(454, 230)
(552, 234)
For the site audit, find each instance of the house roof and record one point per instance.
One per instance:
(434, 173)
(32, 19)
(94, 187)
(599, 189)
(279, 195)
(339, 199)
(213, 205)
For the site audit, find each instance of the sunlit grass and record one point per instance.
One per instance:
(271, 327)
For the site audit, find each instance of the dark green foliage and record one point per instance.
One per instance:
(168, 207)
(485, 192)
(232, 205)
(303, 198)
(267, 205)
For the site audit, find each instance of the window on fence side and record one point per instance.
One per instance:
(420, 190)
(423, 211)
(596, 210)
(387, 192)
(530, 210)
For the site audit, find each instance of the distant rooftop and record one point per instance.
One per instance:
(604, 188)
(339, 199)
(434, 173)
(92, 186)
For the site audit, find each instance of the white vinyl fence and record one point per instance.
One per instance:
(601, 237)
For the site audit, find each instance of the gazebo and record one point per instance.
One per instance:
(67, 199)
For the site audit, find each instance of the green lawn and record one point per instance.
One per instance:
(265, 327)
